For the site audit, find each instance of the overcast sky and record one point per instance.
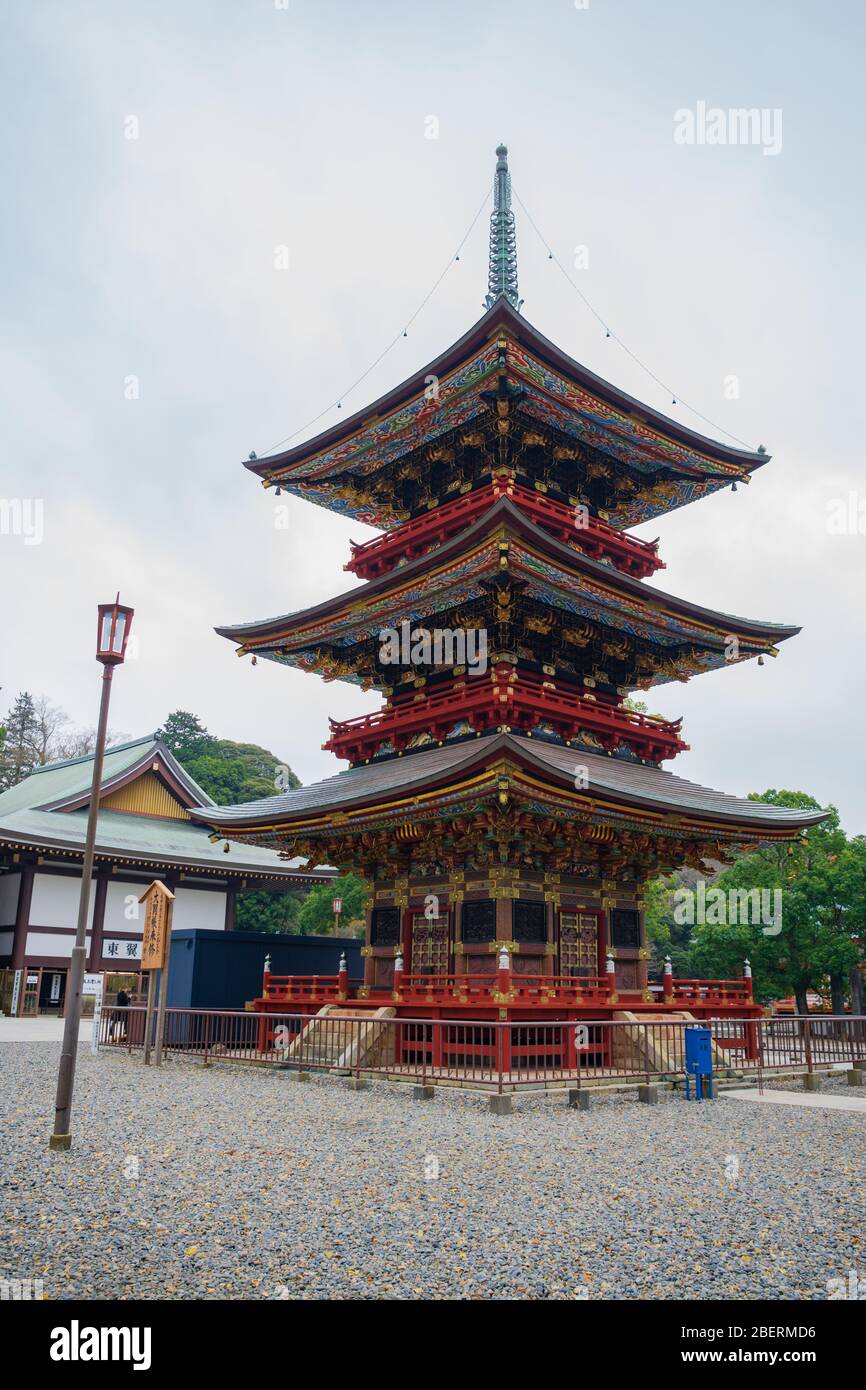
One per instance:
(149, 340)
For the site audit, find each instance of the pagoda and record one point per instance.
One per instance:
(509, 801)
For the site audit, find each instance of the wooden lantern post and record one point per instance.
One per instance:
(112, 635)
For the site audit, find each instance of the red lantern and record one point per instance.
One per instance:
(112, 634)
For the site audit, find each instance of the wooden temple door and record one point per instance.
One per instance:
(578, 943)
(431, 944)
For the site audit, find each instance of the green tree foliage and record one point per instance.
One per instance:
(639, 707)
(822, 880)
(229, 772)
(665, 935)
(272, 912)
(20, 750)
(185, 735)
(39, 732)
(316, 917)
(232, 773)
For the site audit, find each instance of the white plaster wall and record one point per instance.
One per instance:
(195, 908)
(55, 904)
(55, 901)
(192, 908)
(43, 943)
(9, 886)
(123, 911)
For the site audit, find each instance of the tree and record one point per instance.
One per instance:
(665, 935)
(639, 707)
(316, 917)
(38, 732)
(185, 736)
(229, 772)
(821, 881)
(19, 751)
(271, 912)
(232, 773)
(49, 720)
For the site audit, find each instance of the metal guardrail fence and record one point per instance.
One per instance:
(490, 1055)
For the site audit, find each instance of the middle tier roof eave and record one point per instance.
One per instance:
(503, 513)
(503, 315)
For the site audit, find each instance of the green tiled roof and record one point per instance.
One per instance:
(73, 777)
(24, 821)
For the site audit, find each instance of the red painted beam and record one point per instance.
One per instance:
(588, 533)
(519, 701)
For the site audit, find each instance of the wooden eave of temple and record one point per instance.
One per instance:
(567, 431)
(525, 783)
(502, 545)
(570, 637)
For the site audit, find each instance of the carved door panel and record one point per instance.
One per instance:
(431, 944)
(383, 972)
(626, 975)
(578, 943)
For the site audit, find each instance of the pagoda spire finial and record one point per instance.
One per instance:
(502, 272)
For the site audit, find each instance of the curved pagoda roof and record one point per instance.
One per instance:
(553, 389)
(455, 572)
(406, 788)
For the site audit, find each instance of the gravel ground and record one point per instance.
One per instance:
(240, 1183)
(836, 1084)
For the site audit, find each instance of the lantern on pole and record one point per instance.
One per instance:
(112, 635)
(337, 906)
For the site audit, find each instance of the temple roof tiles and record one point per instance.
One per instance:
(622, 782)
(411, 591)
(556, 390)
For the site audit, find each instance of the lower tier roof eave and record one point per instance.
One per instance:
(613, 781)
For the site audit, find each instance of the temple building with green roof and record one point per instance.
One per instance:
(144, 831)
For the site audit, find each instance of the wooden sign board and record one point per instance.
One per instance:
(156, 934)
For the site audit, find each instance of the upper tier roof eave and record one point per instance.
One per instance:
(502, 314)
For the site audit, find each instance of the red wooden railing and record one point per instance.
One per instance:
(712, 991)
(521, 701)
(296, 988)
(589, 533)
(495, 1055)
(525, 990)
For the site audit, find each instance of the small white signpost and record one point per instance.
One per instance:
(93, 984)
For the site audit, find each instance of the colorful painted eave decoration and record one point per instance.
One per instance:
(528, 792)
(312, 640)
(604, 418)
(380, 441)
